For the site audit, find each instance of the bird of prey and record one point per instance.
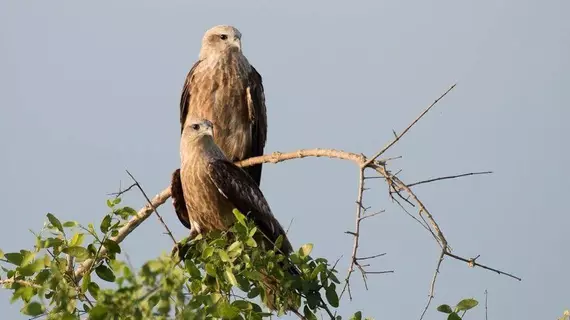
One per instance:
(213, 186)
(224, 88)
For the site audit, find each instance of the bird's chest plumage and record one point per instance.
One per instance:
(207, 208)
(219, 93)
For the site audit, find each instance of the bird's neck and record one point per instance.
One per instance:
(202, 148)
(224, 58)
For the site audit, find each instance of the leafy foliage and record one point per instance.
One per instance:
(222, 275)
(462, 306)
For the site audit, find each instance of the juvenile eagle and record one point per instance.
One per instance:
(213, 186)
(225, 89)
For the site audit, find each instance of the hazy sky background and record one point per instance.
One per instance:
(91, 89)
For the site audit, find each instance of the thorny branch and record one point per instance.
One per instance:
(154, 208)
(379, 166)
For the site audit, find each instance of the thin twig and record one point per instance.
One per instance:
(398, 137)
(356, 233)
(371, 257)
(154, 208)
(121, 192)
(433, 280)
(449, 177)
(486, 296)
(473, 263)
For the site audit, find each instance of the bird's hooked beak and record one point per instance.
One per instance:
(209, 130)
(236, 43)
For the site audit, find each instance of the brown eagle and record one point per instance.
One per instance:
(224, 88)
(213, 186)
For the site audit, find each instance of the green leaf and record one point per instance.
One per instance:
(105, 273)
(235, 249)
(252, 274)
(332, 296)
(80, 253)
(467, 304)
(112, 246)
(453, 316)
(77, 239)
(70, 224)
(242, 305)
(26, 293)
(99, 312)
(1, 254)
(196, 286)
(210, 269)
(279, 242)
(105, 224)
(306, 249)
(31, 268)
(42, 276)
(116, 201)
(52, 243)
(223, 256)
(55, 222)
(239, 217)
(319, 270)
(91, 229)
(192, 269)
(309, 314)
(356, 316)
(14, 258)
(252, 231)
(154, 266)
(85, 283)
(254, 292)
(250, 242)
(229, 275)
(125, 212)
(227, 311)
(445, 308)
(93, 289)
(207, 253)
(33, 309)
(27, 257)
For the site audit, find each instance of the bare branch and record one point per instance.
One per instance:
(121, 192)
(9, 282)
(472, 263)
(277, 157)
(398, 137)
(433, 280)
(486, 296)
(449, 177)
(371, 257)
(129, 227)
(154, 208)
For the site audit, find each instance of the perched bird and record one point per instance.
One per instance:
(213, 186)
(224, 88)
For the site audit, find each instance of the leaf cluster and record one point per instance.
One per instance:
(222, 275)
(461, 307)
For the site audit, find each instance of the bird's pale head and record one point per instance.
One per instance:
(219, 40)
(198, 128)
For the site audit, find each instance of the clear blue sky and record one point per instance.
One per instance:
(91, 89)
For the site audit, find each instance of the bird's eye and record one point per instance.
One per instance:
(223, 36)
(195, 127)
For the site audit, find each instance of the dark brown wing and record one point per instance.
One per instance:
(176, 185)
(185, 97)
(240, 189)
(178, 199)
(259, 126)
